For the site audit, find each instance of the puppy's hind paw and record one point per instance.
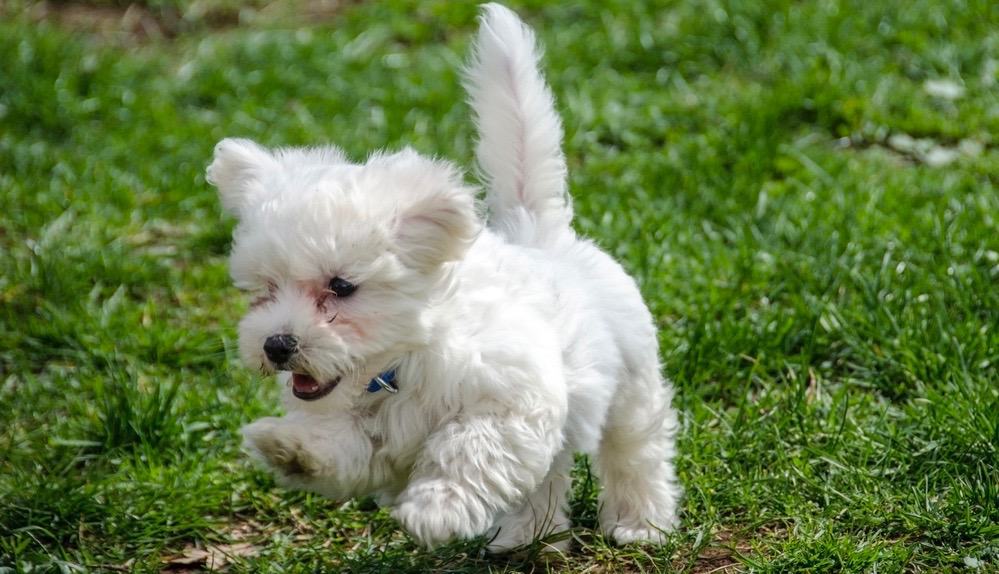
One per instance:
(646, 534)
(280, 446)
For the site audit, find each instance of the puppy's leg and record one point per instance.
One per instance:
(281, 445)
(545, 512)
(475, 468)
(640, 493)
(327, 455)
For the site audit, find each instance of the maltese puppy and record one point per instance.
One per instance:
(446, 362)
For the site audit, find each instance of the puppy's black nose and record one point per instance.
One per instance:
(280, 348)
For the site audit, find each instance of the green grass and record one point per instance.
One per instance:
(828, 301)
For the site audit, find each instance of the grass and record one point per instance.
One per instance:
(827, 296)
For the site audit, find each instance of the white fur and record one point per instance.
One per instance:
(520, 134)
(516, 343)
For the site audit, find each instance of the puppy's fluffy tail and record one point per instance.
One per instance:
(520, 136)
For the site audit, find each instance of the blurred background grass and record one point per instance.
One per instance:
(805, 191)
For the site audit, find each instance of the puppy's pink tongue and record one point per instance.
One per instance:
(304, 383)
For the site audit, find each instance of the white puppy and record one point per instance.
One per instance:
(449, 365)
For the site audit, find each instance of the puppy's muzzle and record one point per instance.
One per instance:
(280, 348)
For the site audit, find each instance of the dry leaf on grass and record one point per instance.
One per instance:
(247, 530)
(212, 558)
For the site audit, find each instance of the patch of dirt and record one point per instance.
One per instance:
(133, 23)
(129, 24)
(716, 559)
(719, 555)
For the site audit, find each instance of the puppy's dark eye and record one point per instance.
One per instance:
(341, 287)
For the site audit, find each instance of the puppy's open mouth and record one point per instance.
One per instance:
(308, 388)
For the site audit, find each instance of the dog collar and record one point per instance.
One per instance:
(385, 381)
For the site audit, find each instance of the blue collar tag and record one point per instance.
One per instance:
(384, 381)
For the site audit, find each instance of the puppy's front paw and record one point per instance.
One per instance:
(281, 447)
(437, 512)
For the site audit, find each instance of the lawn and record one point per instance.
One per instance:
(806, 192)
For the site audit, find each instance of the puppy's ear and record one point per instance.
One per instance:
(437, 218)
(237, 170)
